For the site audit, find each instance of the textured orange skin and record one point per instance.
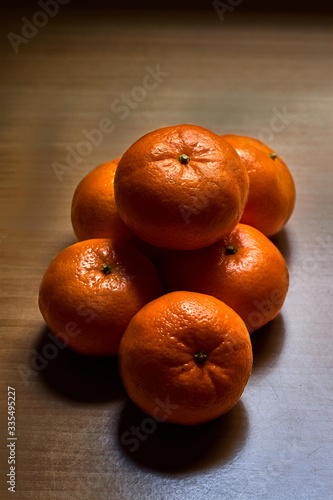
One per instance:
(94, 212)
(272, 189)
(157, 364)
(254, 281)
(76, 294)
(172, 205)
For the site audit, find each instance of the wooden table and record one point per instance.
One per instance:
(267, 76)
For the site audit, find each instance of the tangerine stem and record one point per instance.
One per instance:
(272, 155)
(200, 357)
(184, 159)
(106, 269)
(230, 250)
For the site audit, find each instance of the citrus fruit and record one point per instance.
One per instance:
(272, 189)
(245, 270)
(94, 212)
(92, 289)
(181, 187)
(185, 358)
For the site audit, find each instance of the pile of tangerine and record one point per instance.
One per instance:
(173, 267)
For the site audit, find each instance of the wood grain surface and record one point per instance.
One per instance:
(267, 76)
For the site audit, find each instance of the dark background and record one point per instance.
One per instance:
(245, 5)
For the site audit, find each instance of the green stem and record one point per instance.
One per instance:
(106, 269)
(200, 357)
(184, 159)
(230, 250)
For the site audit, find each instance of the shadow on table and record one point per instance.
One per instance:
(80, 378)
(177, 448)
(281, 241)
(267, 344)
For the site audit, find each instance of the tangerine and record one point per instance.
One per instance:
(272, 190)
(181, 187)
(94, 212)
(245, 270)
(91, 291)
(189, 351)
